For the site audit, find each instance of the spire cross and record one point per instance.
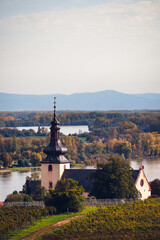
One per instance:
(54, 106)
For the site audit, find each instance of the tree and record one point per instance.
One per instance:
(35, 159)
(155, 187)
(123, 147)
(113, 180)
(1, 164)
(2, 144)
(20, 163)
(18, 197)
(39, 194)
(6, 158)
(67, 196)
(35, 176)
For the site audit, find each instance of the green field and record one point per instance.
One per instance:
(133, 221)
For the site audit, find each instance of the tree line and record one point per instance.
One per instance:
(145, 121)
(130, 135)
(21, 151)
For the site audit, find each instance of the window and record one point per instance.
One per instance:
(50, 168)
(50, 184)
(141, 183)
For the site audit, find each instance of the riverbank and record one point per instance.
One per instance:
(4, 171)
(20, 169)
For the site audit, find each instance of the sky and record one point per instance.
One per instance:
(73, 46)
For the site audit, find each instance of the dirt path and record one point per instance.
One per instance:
(40, 232)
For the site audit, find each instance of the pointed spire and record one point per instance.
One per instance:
(54, 107)
(55, 150)
(55, 121)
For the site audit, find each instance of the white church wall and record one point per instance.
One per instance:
(143, 186)
(53, 176)
(62, 167)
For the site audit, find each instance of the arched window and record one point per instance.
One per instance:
(50, 168)
(50, 184)
(141, 183)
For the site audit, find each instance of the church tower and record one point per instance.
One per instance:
(55, 163)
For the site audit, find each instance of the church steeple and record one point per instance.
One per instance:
(55, 129)
(55, 150)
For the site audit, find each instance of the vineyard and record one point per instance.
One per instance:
(16, 218)
(137, 220)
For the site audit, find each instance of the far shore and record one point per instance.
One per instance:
(4, 170)
(21, 169)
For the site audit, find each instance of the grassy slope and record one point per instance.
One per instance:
(45, 221)
(139, 220)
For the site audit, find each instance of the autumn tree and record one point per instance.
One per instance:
(35, 159)
(113, 180)
(6, 159)
(123, 147)
(2, 144)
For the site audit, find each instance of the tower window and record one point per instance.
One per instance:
(50, 168)
(50, 184)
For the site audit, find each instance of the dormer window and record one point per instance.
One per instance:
(50, 167)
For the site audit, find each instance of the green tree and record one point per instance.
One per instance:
(67, 196)
(18, 197)
(155, 187)
(39, 194)
(113, 180)
(20, 163)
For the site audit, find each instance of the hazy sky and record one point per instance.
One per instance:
(68, 46)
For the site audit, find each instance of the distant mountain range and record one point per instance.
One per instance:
(96, 101)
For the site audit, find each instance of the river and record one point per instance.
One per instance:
(15, 180)
(64, 129)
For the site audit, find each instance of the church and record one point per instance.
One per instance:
(55, 167)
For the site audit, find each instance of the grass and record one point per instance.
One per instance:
(21, 169)
(45, 221)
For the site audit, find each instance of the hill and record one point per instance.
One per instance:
(136, 220)
(101, 101)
